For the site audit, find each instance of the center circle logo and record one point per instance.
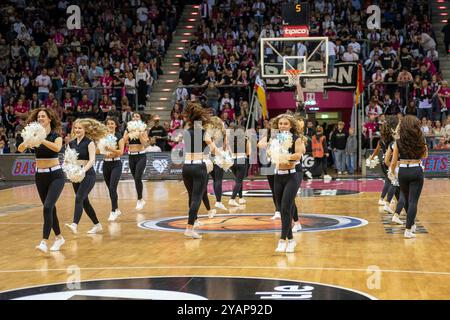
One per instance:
(187, 288)
(253, 223)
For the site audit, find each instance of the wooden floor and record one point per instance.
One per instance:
(407, 269)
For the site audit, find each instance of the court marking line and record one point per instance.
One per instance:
(201, 276)
(444, 273)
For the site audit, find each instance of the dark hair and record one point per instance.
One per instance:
(411, 144)
(194, 112)
(55, 122)
(387, 129)
(115, 120)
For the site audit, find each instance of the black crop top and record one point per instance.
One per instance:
(42, 152)
(292, 148)
(191, 143)
(82, 148)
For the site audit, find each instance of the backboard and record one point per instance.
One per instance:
(309, 54)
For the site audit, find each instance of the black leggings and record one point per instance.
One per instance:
(239, 170)
(217, 175)
(298, 168)
(205, 198)
(137, 165)
(112, 170)
(411, 183)
(271, 179)
(401, 200)
(82, 191)
(195, 179)
(286, 187)
(50, 185)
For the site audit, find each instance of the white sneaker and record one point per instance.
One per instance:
(219, 205)
(212, 213)
(388, 209)
(408, 234)
(308, 174)
(339, 172)
(327, 177)
(413, 228)
(277, 215)
(291, 246)
(140, 204)
(57, 244)
(42, 246)
(297, 227)
(97, 228)
(381, 202)
(396, 219)
(393, 202)
(192, 234)
(114, 215)
(281, 246)
(233, 202)
(242, 201)
(73, 227)
(197, 223)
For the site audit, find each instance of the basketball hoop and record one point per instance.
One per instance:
(293, 76)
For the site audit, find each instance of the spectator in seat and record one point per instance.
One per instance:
(187, 75)
(442, 144)
(423, 96)
(153, 147)
(350, 56)
(212, 95)
(159, 133)
(84, 106)
(373, 108)
(444, 100)
(44, 83)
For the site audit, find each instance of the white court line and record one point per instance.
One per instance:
(443, 273)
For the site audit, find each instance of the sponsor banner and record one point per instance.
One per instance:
(344, 77)
(295, 31)
(436, 165)
(331, 101)
(159, 166)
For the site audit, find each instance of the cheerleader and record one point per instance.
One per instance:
(298, 168)
(218, 136)
(194, 172)
(408, 151)
(86, 131)
(398, 194)
(270, 171)
(287, 180)
(112, 166)
(49, 175)
(383, 144)
(137, 158)
(241, 151)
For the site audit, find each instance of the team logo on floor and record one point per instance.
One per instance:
(307, 192)
(187, 288)
(253, 223)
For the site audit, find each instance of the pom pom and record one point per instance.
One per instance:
(33, 135)
(135, 128)
(70, 156)
(108, 141)
(209, 165)
(75, 173)
(393, 177)
(278, 150)
(224, 159)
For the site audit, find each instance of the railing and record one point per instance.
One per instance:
(400, 85)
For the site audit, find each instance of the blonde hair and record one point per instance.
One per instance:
(94, 130)
(215, 127)
(295, 126)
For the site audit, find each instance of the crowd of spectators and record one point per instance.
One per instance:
(105, 68)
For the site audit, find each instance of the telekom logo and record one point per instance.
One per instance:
(374, 20)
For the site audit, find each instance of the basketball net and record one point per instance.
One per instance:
(293, 76)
